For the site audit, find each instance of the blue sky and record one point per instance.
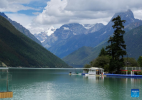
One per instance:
(39, 5)
(39, 15)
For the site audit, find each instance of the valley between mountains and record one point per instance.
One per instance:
(79, 44)
(76, 44)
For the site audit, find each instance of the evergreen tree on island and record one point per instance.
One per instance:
(117, 47)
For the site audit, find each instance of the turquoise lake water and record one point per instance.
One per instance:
(51, 84)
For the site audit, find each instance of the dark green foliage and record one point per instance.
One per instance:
(103, 52)
(87, 66)
(139, 73)
(140, 61)
(0, 63)
(92, 62)
(130, 62)
(117, 46)
(102, 61)
(16, 49)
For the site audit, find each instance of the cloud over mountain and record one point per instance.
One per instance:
(58, 12)
(84, 11)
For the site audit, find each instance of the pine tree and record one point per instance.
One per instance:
(103, 52)
(140, 61)
(117, 46)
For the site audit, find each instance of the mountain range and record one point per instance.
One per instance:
(21, 29)
(84, 55)
(17, 50)
(70, 37)
(63, 41)
(132, 37)
(76, 43)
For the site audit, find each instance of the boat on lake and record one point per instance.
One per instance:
(95, 71)
(74, 73)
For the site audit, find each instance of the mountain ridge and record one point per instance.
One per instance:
(133, 47)
(128, 27)
(21, 29)
(64, 47)
(19, 50)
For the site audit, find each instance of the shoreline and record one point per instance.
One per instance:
(37, 68)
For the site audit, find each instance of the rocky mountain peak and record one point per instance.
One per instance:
(68, 30)
(126, 15)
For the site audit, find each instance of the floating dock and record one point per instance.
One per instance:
(6, 94)
(124, 75)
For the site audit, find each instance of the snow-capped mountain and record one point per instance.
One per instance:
(69, 33)
(44, 35)
(70, 37)
(66, 31)
(63, 47)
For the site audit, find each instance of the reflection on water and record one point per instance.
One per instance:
(58, 85)
(94, 79)
(5, 78)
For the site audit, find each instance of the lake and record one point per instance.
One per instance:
(57, 84)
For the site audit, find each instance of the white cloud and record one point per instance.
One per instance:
(83, 11)
(3, 3)
(23, 19)
(58, 12)
(54, 13)
(38, 28)
(138, 14)
(103, 5)
(14, 5)
(36, 13)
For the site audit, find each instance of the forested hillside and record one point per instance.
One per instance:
(16, 49)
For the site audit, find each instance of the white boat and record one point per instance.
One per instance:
(94, 71)
(75, 73)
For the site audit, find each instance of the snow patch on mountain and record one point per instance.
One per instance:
(88, 26)
(50, 31)
(66, 28)
(42, 36)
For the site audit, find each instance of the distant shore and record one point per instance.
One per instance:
(37, 68)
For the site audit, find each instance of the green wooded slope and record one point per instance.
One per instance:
(133, 41)
(16, 49)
